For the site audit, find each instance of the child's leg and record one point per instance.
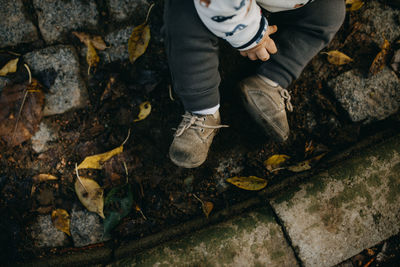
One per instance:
(192, 52)
(302, 33)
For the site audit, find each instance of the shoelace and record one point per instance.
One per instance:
(194, 122)
(285, 95)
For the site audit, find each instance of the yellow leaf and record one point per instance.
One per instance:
(96, 161)
(61, 220)
(353, 5)
(305, 165)
(275, 161)
(248, 183)
(43, 177)
(138, 41)
(338, 58)
(91, 56)
(96, 41)
(10, 67)
(207, 207)
(380, 60)
(90, 194)
(145, 109)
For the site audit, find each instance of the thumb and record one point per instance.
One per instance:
(272, 29)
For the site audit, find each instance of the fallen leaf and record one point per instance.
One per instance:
(248, 183)
(145, 109)
(96, 41)
(96, 161)
(380, 59)
(275, 161)
(20, 112)
(139, 41)
(10, 67)
(207, 207)
(338, 58)
(91, 56)
(306, 165)
(61, 220)
(90, 194)
(43, 177)
(353, 5)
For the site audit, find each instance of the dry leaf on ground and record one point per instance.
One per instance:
(96, 161)
(207, 207)
(19, 122)
(138, 42)
(353, 5)
(61, 220)
(380, 59)
(145, 110)
(96, 41)
(338, 58)
(248, 183)
(275, 162)
(91, 57)
(306, 165)
(90, 194)
(43, 177)
(10, 67)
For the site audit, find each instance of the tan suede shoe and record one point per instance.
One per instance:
(266, 104)
(193, 139)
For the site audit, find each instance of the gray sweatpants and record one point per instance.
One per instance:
(192, 50)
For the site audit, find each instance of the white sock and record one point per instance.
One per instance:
(270, 82)
(207, 111)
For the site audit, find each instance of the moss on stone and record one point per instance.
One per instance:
(374, 180)
(277, 254)
(350, 194)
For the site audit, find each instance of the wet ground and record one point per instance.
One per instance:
(164, 194)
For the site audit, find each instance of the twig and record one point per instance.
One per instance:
(170, 93)
(29, 73)
(148, 13)
(79, 178)
(19, 114)
(126, 172)
(126, 139)
(201, 201)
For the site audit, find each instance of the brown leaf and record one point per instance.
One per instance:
(20, 112)
(207, 207)
(353, 5)
(380, 60)
(61, 220)
(91, 57)
(307, 164)
(338, 58)
(43, 177)
(248, 183)
(96, 41)
(90, 194)
(138, 42)
(10, 67)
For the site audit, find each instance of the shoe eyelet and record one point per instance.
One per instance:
(202, 130)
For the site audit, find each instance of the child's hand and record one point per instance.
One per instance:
(263, 50)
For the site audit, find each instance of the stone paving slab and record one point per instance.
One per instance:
(121, 10)
(15, 28)
(58, 68)
(346, 209)
(253, 239)
(58, 18)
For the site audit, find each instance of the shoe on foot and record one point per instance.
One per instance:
(266, 104)
(193, 139)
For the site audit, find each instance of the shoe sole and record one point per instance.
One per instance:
(264, 123)
(187, 166)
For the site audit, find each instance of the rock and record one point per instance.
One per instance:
(86, 228)
(67, 90)
(395, 62)
(119, 45)
(345, 209)
(15, 28)
(45, 235)
(58, 18)
(253, 239)
(121, 10)
(380, 21)
(42, 137)
(367, 99)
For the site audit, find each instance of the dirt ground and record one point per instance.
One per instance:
(163, 192)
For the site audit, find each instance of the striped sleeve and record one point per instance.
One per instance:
(240, 22)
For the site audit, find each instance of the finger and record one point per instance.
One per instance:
(252, 56)
(270, 46)
(243, 53)
(272, 29)
(262, 54)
